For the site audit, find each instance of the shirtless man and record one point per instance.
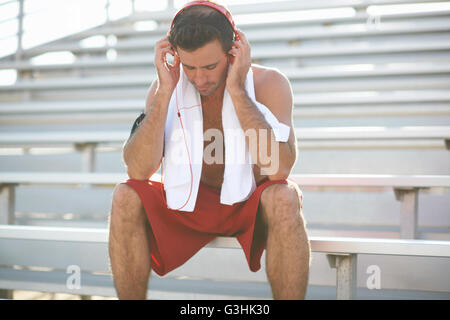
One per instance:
(279, 207)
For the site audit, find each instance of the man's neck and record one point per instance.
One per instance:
(214, 99)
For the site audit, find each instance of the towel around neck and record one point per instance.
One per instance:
(183, 147)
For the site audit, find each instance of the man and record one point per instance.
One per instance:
(145, 232)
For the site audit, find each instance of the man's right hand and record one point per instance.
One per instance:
(168, 74)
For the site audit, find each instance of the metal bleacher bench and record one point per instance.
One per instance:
(86, 142)
(406, 188)
(333, 133)
(13, 139)
(55, 250)
(117, 137)
(126, 110)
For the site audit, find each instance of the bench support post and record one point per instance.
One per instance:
(6, 294)
(7, 209)
(345, 265)
(7, 203)
(88, 156)
(409, 212)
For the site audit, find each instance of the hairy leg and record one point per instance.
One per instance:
(129, 249)
(288, 250)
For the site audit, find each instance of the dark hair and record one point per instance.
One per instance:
(198, 25)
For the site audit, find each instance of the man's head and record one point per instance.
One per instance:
(202, 37)
(195, 26)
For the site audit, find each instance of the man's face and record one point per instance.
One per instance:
(206, 67)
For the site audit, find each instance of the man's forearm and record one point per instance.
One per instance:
(254, 125)
(143, 151)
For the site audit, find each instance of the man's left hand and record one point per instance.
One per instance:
(241, 61)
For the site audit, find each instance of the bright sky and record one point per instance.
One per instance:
(48, 20)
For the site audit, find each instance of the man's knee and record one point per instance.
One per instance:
(281, 205)
(126, 203)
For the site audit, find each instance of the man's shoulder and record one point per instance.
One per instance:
(269, 82)
(267, 76)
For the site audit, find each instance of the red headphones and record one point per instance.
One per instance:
(213, 5)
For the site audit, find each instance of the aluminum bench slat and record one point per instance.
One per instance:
(322, 133)
(160, 288)
(257, 36)
(428, 248)
(257, 54)
(336, 180)
(276, 6)
(129, 114)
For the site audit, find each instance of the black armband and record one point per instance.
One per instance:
(137, 123)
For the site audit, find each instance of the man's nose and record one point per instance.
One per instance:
(200, 78)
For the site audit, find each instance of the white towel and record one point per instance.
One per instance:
(184, 140)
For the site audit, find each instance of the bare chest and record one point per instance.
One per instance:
(213, 166)
(213, 150)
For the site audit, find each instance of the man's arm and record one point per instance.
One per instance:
(143, 151)
(274, 91)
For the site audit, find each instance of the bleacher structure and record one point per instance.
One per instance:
(372, 119)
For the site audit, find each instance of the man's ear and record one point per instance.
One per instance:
(230, 58)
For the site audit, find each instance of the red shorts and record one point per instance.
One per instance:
(175, 236)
